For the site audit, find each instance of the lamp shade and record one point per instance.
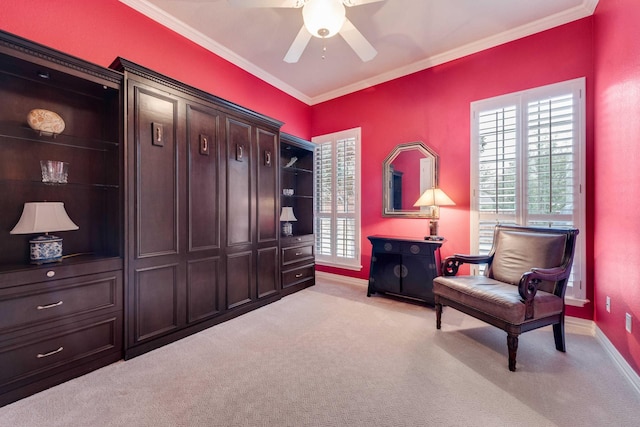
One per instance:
(323, 18)
(287, 214)
(43, 217)
(434, 197)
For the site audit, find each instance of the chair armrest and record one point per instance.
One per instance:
(528, 286)
(452, 263)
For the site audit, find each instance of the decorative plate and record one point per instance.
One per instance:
(46, 122)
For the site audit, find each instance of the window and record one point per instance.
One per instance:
(337, 199)
(527, 161)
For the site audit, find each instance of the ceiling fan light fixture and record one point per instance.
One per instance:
(323, 18)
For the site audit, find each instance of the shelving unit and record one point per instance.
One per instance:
(297, 251)
(61, 319)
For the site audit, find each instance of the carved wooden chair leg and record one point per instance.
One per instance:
(438, 315)
(512, 344)
(558, 336)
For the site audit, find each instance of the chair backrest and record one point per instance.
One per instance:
(517, 250)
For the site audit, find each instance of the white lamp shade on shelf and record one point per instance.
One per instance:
(43, 217)
(287, 214)
(434, 197)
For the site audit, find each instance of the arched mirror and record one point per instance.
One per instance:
(409, 170)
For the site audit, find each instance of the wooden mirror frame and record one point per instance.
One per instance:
(388, 209)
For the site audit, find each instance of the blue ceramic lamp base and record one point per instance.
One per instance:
(45, 249)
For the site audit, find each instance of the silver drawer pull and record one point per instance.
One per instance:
(299, 275)
(298, 253)
(51, 353)
(44, 307)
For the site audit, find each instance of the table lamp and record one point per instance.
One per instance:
(434, 198)
(287, 216)
(44, 217)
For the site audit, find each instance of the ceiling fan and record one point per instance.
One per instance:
(323, 19)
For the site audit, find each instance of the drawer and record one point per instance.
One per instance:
(49, 301)
(297, 240)
(297, 275)
(53, 349)
(296, 254)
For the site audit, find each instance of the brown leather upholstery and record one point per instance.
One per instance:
(519, 252)
(523, 286)
(498, 299)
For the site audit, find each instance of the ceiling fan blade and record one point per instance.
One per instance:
(298, 45)
(266, 3)
(358, 43)
(358, 2)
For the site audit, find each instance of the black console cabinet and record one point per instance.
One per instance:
(404, 266)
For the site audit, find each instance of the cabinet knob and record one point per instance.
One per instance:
(51, 273)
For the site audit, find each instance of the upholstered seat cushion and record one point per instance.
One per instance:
(498, 299)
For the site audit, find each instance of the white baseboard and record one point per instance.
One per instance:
(572, 324)
(338, 278)
(620, 362)
(589, 327)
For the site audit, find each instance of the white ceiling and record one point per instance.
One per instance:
(409, 35)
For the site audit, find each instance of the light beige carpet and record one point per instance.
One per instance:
(330, 356)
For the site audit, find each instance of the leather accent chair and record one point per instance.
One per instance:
(522, 287)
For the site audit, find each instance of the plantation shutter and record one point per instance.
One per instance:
(527, 163)
(337, 209)
(323, 198)
(497, 168)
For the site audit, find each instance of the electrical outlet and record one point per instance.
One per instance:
(608, 304)
(628, 323)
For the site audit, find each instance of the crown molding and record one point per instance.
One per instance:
(583, 10)
(587, 8)
(160, 16)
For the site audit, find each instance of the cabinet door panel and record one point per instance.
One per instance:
(156, 302)
(386, 271)
(239, 188)
(203, 179)
(156, 176)
(203, 288)
(267, 271)
(421, 270)
(268, 194)
(240, 279)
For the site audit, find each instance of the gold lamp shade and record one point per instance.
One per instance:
(434, 197)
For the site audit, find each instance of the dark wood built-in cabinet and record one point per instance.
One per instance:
(177, 196)
(203, 210)
(61, 319)
(297, 250)
(404, 267)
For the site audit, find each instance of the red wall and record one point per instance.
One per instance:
(433, 106)
(617, 189)
(101, 30)
(430, 106)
